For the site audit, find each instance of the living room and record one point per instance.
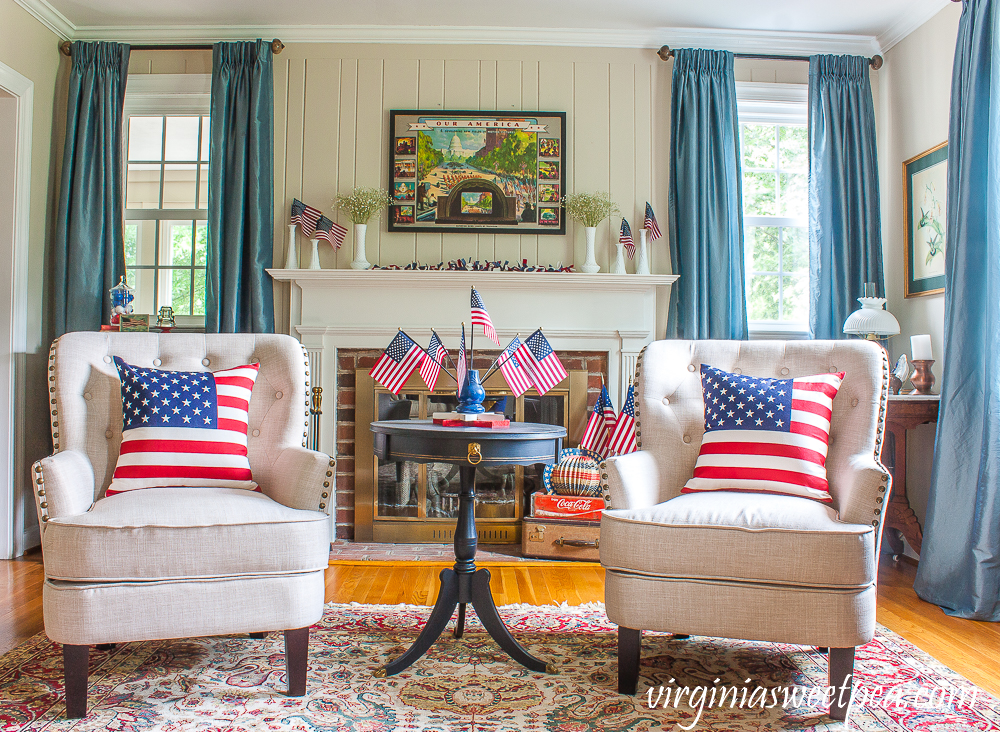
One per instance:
(647, 202)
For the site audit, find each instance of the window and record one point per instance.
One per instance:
(166, 195)
(774, 150)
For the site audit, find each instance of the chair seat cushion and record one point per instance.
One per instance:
(172, 533)
(742, 537)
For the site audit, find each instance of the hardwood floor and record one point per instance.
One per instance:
(967, 646)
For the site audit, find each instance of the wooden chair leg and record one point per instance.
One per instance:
(629, 648)
(105, 646)
(841, 679)
(296, 660)
(257, 636)
(75, 662)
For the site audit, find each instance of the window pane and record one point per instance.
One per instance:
(795, 299)
(763, 297)
(180, 243)
(145, 138)
(205, 131)
(762, 246)
(142, 186)
(144, 283)
(200, 247)
(203, 187)
(794, 249)
(131, 237)
(178, 186)
(173, 289)
(182, 138)
(759, 146)
(759, 197)
(794, 146)
(145, 242)
(793, 194)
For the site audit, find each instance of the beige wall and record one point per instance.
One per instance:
(913, 117)
(32, 50)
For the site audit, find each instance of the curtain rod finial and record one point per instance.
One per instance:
(276, 46)
(876, 62)
(665, 52)
(66, 48)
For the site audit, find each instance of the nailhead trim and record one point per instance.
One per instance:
(43, 505)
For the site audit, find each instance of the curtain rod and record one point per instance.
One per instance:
(66, 47)
(666, 52)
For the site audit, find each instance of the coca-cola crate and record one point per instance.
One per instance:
(569, 508)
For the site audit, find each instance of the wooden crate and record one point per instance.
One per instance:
(553, 539)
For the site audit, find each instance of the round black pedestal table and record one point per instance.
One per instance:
(421, 441)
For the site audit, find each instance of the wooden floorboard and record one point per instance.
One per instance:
(967, 646)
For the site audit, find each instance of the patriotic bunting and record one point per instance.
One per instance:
(540, 362)
(650, 223)
(396, 364)
(481, 317)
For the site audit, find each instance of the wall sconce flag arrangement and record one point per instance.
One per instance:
(531, 363)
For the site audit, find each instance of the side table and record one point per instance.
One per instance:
(905, 411)
(422, 441)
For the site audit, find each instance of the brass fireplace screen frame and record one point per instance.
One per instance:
(369, 526)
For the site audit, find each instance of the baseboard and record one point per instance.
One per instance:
(30, 539)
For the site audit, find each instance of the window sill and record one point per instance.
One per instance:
(779, 332)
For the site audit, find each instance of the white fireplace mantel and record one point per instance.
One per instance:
(338, 308)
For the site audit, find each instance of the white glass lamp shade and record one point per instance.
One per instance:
(871, 319)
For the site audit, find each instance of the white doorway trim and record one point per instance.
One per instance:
(14, 329)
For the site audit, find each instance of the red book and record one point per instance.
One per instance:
(497, 424)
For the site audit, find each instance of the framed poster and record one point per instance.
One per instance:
(925, 196)
(489, 172)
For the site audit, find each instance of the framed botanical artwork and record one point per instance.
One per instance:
(477, 171)
(925, 196)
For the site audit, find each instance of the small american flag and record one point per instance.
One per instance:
(610, 415)
(183, 428)
(331, 231)
(460, 368)
(623, 440)
(597, 434)
(305, 216)
(625, 239)
(394, 366)
(481, 317)
(540, 362)
(650, 223)
(765, 435)
(515, 376)
(430, 369)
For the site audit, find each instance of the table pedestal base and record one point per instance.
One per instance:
(462, 588)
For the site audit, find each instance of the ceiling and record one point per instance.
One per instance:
(880, 23)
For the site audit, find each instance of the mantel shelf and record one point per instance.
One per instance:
(444, 279)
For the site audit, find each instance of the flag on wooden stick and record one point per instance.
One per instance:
(481, 317)
(650, 223)
(623, 438)
(305, 216)
(331, 231)
(398, 361)
(625, 239)
(430, 369)
(597, 434)
(540, 362)
(461, 369)
(515, 376)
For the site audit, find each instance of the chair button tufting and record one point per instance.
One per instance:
(666, 401)
(88, 396)
(691, 367)
(854, 402)
(107, 359)
(157, 362)
(109, 434)
(278, 395)
(737, 371)
(205, 362)
(784, 371)
(255, 433)
(252, 360)
(687, 439)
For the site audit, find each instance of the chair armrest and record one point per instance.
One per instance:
(631, 481)
(64, 485)
(300, 478)
(861, 491)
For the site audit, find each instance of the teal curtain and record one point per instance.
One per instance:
(706, 203)
(238, 292)
(960, 557)
(88, 250)
(845, 240)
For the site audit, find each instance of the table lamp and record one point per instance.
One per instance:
(872, 320)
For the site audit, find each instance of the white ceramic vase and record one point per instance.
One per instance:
(360, 262)
(619, 266)
(292, 254)
(314, 255)
(642, 265)
(591, 265)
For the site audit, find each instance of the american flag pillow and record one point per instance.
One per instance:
(184, 428)
(765, 435)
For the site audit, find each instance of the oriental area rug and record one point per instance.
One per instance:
(236, 683)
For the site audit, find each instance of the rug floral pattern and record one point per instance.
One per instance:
(236, 683)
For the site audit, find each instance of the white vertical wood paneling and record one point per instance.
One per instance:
(331, 132)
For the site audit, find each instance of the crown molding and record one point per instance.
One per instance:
(734, 40)
(915, 16)
(51, 18)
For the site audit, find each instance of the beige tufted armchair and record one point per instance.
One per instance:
(179, 562)
(760, 567)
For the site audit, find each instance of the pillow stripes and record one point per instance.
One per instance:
(765, 435)
(184, 428)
